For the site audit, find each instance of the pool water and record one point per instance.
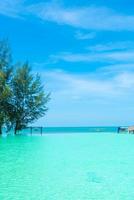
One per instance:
(95, 166)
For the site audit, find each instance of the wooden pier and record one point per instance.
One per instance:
(35, 130)
(131, 129)
(39, 130)
(122, 129)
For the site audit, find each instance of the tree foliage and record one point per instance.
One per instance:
(5, 80)
(22, 96)
(29, 100)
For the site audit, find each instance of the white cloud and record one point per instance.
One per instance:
(11, 8)
(115, 53)
(125, 81)
(85, 36)
(91, 17)
(89, 99)
(81, 86)
(117, 69)
(116, 56)
(112, 46)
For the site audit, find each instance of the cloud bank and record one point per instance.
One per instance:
(89, 17)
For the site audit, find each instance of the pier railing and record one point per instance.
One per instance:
(52, 130)
(44, 130)
(32, 131)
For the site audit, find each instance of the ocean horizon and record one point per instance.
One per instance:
(76, 129)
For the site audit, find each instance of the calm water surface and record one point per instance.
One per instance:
(67, 167)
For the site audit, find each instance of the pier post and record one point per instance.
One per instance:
(118, 129)
(31, 130)
(41, 130)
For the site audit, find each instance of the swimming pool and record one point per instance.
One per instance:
(67, 167)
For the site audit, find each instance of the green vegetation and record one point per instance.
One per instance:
(22, 96)
(5, 82)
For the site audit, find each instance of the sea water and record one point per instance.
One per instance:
(55, 130)
(94, 166)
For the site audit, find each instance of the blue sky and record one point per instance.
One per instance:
(84, 51)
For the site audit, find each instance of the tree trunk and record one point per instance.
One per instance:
(16, 128)
(0, 130)
(15, 131)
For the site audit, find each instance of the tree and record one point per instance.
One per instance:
(22, 97)
(29, 100)
(5, 79)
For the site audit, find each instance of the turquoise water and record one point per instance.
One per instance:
(67, 167)
(37, 130)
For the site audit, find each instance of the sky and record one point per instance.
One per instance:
(84, 52)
